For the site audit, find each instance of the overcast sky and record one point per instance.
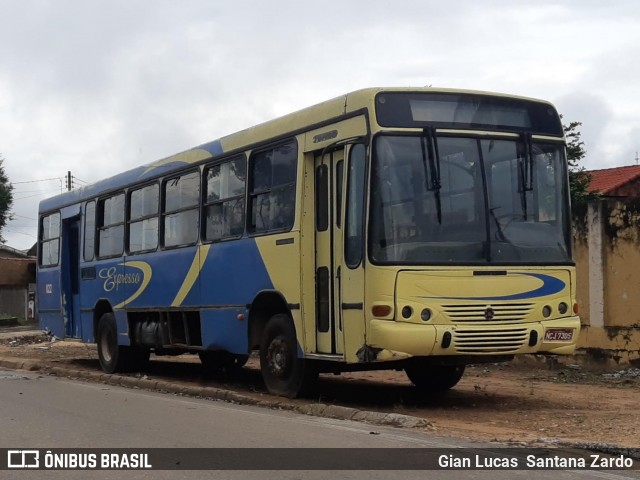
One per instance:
(101, 86)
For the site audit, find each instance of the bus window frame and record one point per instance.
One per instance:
(85, 230)
(42, 240)
(205, 204)
(163, 211)
(99, 225)
(130, 190)
(363, 207)
(251, 230)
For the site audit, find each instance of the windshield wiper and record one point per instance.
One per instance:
(526, 171)
(500, 236)
(432, 158)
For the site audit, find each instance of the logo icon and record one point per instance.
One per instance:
(489, 313)
(23, 459)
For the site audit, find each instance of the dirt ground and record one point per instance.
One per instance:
(530, 402)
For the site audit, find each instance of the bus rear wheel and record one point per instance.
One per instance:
(113, 357)
(284, 372)
(434, 378)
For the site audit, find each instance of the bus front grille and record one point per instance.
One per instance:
(494, 313)
(489, 340)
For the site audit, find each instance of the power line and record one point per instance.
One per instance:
(34, 181)
(21, 192)
(37, 195)
(22, 216)
(21, 233)
(68, 179)
(81, 181)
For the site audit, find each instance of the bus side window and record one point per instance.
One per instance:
(273, 187)
(50, 240)
(355, 207)
(181, 210)
(224, 200)
(111, 226)
(89, 230)
(143, 218)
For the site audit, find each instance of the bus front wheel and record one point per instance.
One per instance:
(434, 378)
(284, 372)
(113, 357)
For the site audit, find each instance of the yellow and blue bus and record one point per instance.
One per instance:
(419, 229)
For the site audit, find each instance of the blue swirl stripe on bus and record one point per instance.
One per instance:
(223, 276)
(550, 286)
(214, 148)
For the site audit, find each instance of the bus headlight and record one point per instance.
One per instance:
(425, 315)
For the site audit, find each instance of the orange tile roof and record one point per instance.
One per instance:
(609, 179)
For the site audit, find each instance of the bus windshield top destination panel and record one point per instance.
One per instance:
(466, 111)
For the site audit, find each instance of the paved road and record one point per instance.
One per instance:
(45, 412)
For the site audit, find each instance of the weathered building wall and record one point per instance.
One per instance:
(13, 302)
(607, 254)
(16, 275)
(17, 272)
(581, 256)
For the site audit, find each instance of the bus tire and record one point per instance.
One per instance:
(117, 358)
(109, 352)
(284, 373)
(434, 378)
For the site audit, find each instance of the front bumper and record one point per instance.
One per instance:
(410, 339)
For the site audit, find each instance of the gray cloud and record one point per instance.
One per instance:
(594, 114)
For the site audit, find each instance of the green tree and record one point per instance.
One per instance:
(6, 199)
(579, 178)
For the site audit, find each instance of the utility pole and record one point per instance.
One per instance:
(69, 185)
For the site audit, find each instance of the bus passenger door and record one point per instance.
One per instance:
(70, 273)
(329, 190)
(352, 250)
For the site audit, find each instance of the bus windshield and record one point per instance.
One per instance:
(467, 200)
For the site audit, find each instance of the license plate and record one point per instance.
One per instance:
(558, 335)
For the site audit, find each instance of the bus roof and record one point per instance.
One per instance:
(302, 119)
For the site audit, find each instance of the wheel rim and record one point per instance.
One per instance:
(278, 359)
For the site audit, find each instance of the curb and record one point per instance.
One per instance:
(317, 409)
(214, 393)
(22, 334)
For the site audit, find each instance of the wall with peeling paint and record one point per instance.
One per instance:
(607, 254)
